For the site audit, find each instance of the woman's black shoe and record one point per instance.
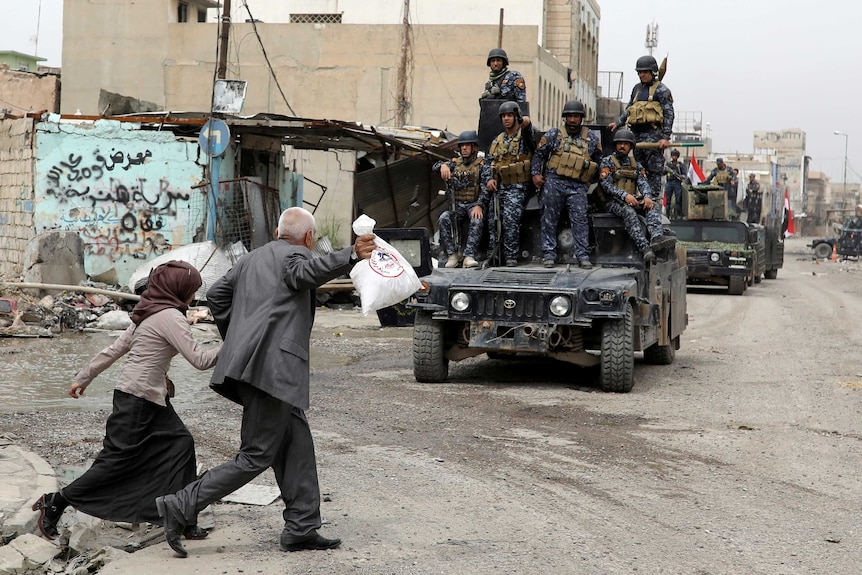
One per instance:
(195, 532)
(50, 507)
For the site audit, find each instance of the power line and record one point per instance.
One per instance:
(265, 57)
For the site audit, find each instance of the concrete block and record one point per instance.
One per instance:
(11, 561)
(35, 550)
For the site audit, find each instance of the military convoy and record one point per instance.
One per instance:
(723, 252)
(588, 317)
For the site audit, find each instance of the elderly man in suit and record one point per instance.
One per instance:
(264, 310)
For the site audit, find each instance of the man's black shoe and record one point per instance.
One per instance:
(313, 541)
(173, 522)
(662, 243)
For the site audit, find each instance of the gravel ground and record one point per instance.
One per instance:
(741, 457)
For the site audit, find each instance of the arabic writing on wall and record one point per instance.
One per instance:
(130, 199)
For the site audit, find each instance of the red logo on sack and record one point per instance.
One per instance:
(385, 263)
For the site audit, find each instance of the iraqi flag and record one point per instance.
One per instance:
(788, 216)
(695, 174)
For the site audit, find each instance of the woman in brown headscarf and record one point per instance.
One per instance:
(147, 450)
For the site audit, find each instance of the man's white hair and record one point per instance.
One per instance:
(294, 224)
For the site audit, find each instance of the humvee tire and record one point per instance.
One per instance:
(430, 365)
(661, 354)
(617, 353)
(823, 251)
(736, 285)
(770, 274)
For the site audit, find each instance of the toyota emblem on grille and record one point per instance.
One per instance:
(509, 304)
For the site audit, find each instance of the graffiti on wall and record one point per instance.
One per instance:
(130, 200)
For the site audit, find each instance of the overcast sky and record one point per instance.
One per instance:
(745, 64)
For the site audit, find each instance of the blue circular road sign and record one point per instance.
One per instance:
(214, 138)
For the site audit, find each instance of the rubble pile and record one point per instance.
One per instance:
(22, 315)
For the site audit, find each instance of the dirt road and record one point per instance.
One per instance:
(741, 457)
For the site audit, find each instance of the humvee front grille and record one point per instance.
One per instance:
(509, 306)
(695, 260)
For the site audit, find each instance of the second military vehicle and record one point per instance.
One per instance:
(722, 252)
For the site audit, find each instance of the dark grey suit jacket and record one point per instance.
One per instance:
(264, 310)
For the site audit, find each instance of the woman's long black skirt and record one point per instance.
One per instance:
(147, 452)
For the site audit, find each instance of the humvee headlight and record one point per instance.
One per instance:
(714, 257)
(460, 301)
(560, 306)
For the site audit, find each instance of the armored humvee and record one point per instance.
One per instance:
(723, 252)
(587, 317)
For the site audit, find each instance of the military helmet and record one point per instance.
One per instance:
(468, 137)
(674, 152)
(574, 107)
(719, 160)
(646, 63)
(511, 108)
(623, 135)
(752, 175)
(498, 53)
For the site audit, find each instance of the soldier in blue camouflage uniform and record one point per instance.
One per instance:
(628, 193)
(507, 174)
(753, 201)
(649, 115)
(723, 176)
(463, 177)
(504, 84)
(673, 187)
(565, 162)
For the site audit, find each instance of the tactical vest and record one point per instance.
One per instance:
(509, 165)
(626, 177)
(722, 176)
(470, 176)
(645, 111)
(572, 157)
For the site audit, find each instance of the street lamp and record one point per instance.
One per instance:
(846, 138)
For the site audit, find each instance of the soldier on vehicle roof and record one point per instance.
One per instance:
(673, 188)
(507, 174)
(723, 176)
(565, 162)
(649, 115)
(463, 177)
(503, 83)
(753, 202)
(628, 194)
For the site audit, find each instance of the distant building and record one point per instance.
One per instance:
(18, 61)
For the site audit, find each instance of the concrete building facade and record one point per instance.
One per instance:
(325, 69)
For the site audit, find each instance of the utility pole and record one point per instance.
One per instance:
(224, 33)
(402, 105)
(846, 138)
(500, 30)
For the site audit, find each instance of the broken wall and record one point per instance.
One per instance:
(16, 194)
(127, 192)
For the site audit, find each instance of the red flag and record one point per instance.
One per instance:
(788, 215)
(695, 174)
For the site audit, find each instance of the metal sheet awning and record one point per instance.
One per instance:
(301, 133)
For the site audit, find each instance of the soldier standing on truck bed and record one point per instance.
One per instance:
(503, 83)
(649, 115)
(628, 193)
(508, 174)
(753, 202)
(723, 176)
(570, 157)
(463, 177)
(673, 188)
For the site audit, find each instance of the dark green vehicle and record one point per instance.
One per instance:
(718, 253)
